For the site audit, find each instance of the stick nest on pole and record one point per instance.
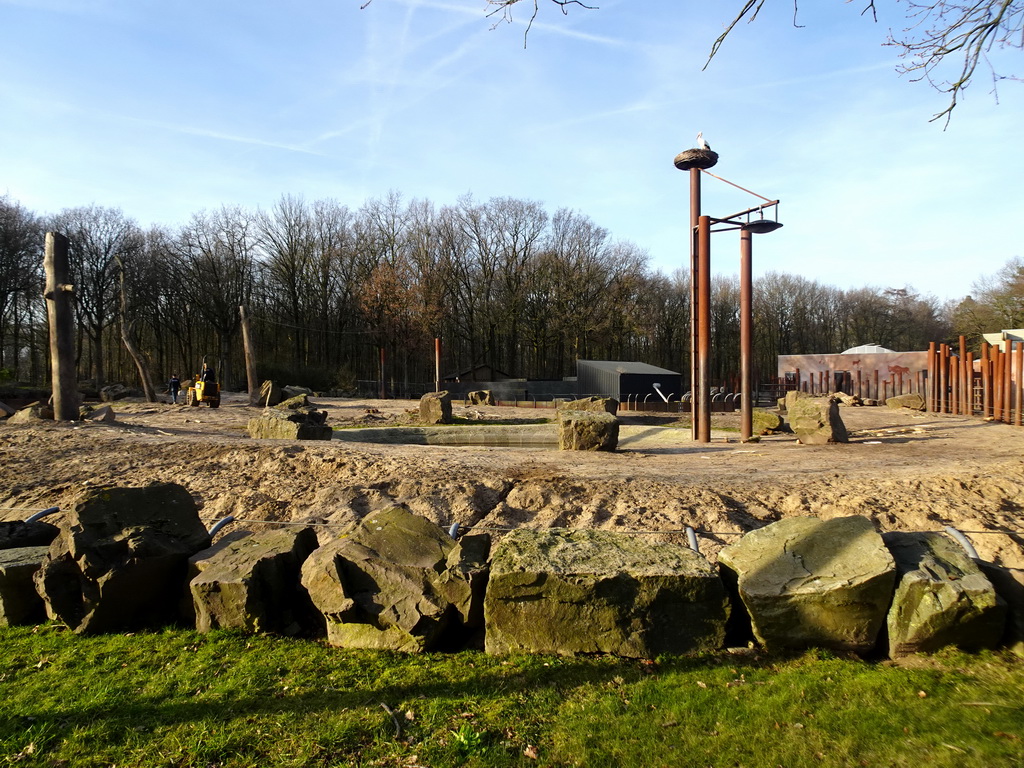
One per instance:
(695, 158)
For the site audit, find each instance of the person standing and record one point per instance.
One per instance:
(174, 386)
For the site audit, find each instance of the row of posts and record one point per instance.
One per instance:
(865, 387)
(991, 385)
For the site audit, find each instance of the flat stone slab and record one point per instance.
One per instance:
(19, 601)
(942, 597)
(571, 592)
(814, 583)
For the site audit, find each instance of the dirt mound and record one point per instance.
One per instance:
(906, 471)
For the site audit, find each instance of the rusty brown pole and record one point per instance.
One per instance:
(797, 380)
(746, 335)
(931, 378)
(1008, 383)
(986, 394)
(965, 378)
(695, 413)
(1020, 382)
(704, 328)
(944, 378)
(60, 312)
(970, 383)
(995, 356)
(380, 389)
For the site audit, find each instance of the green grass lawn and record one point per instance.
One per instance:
(183, 699)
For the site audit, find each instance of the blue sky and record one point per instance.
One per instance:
(166, 108)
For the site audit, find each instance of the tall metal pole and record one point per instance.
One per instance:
(695, 413)
(746, 335)
(60, 313)
(704, 327)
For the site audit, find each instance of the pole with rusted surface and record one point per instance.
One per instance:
(996, 381)
(1008, 383)
(986, 393)
(704, 328)
(746, 335)
(695, 413)
(965, 378)
(969, 365)
(60, 312)
(250, 358)
(694, 161)
(943, 378)
(1019, 388)
(932, 378)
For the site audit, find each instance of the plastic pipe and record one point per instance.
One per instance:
(963, 542)
(41, 514)
(221, 523)
(691, 539)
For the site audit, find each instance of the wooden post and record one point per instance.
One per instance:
(969, 365)
(943, 378)
(250, 358)
(874, 384)
(61, 315)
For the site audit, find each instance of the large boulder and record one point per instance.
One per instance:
(813, 583)
(103, 414)
(19, 601)
(17, 533)
(593, 403)
(398, 582)
(942, 597)
(912, 401)
(121, 560)
(290, 424)
(113, 392)
(252, 583)
(586, 591)
(32, 413)
(765, 422)
(294, 390)
(436, 408)
(815, 420)
(587, 431)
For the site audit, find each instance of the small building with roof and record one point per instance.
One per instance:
(626, 379)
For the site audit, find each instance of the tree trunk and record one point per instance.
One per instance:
(58, 293)
(250, 359)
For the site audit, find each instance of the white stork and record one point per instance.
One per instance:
(701, 143)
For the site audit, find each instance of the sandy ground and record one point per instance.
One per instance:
(906, 471)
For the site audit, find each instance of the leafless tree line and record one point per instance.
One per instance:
(503, 283)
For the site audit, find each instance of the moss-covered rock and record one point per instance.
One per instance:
(942, 598)
(572, 592)
(814, 583)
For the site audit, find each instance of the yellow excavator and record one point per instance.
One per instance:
(204, 388)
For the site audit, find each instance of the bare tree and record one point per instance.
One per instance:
(21, 241)
(939, 34)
